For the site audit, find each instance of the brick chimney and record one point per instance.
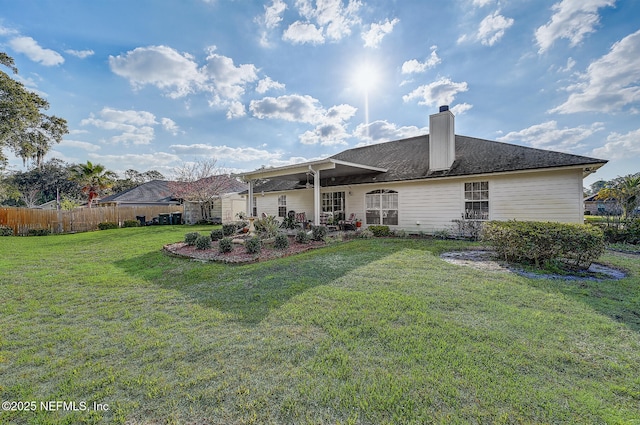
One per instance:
(442, 140)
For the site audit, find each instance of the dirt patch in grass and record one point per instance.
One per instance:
(239, 254)
(487, 260)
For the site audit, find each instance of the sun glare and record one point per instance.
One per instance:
(365, 77)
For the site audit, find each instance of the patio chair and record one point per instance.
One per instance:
(301, 219)
(348, 224)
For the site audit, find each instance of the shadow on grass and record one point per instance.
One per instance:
(248, 293)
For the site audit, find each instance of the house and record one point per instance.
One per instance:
(595, 206)
(162, 192)
(422, 183)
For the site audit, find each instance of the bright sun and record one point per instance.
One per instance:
(366, 77)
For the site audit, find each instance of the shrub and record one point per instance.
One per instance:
(468, 229)
(217, 234)
(302, 237)
(190, 238)
(365, 234)
(267, 226)
(203, 242)
(225, 245)
(253, 245)
(38, 232)
(6, 231)
(282, 241)
(401, 233)
(318, 233)
(578, 245)
(228, 229)
(380, 231)
(131, 223)
(105, 225)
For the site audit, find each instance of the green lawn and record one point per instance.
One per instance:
(370, 331)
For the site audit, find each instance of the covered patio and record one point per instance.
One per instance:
(317, 174)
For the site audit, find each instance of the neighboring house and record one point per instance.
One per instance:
(594, 206)
(425, 182)
(161, 192)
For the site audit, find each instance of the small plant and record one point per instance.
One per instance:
(225, 245)
(253, 245)
(106, 225)
(203, 242)
(267, 227)
(319, 233)
(131, 223)
(282, 241)
(190, 238)
(228, 229)
(401, 233)
(6, 231)
(302, 237)
(380, 231)
(439, 234)
(217, 234)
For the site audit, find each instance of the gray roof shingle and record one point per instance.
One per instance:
(408, 159)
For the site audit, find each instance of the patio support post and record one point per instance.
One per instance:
(250, 200)
(316, 196)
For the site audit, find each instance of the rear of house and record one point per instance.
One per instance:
(423, 183)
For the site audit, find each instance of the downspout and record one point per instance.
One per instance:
(250, 200)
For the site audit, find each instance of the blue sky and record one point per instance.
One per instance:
(152, 84)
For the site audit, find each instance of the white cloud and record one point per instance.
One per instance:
(620, 146)
(384, 131)
(29, 47)
(492, 28)
(273, 13)
(160, 66)
(377, 32)
(169, 125)
(267, 84)
(572, 20)
(482, 3)
(76, 144)
(548, 136)
(80, 53)
(330, 125)
(414, 66)
(160, 161)
(225, 152)
(610, 83)
(133, 126)
(228, 81)
(236, 110)
(302, 33)
(441, 92)
(460, 108)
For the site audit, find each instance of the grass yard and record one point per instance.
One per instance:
(366, 332)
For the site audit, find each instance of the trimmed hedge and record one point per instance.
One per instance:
(282, 241)
(203, 242)
(106, 225)
(225, 245)
(578, 245)
(191, 237)
(253, 245)
(380, 231)
(217, 234)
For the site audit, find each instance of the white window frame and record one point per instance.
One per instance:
(476, 195)
(386, 203)
(282, 206)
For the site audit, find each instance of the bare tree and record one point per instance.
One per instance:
(202, 182)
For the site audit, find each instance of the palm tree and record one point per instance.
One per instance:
(93, 178)
(626, 191)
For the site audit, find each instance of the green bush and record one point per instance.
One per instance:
(190, 238)
(217, 234)
(131, 223)
(268, 226)
(365, 234)
(38, 232)
(380, 231)
(282, 241)
(228, 229)
(253, 245)
(225, 245)
(302, 237)
(318, 233)
(105, 225)
(203, 242)
(577, 245)
(6, 231)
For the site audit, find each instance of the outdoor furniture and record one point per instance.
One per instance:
(348, 224)
(142, 219)
(326, 219)
(301, 219)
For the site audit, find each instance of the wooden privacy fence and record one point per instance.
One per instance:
(78, 220)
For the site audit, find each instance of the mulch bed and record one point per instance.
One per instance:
(239, 254)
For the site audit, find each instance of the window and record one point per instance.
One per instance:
(254, 213)
(282, 206)
(382, 207)
(333, 202)
(476, 201)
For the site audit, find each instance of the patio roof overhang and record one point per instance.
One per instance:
(329, 168)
